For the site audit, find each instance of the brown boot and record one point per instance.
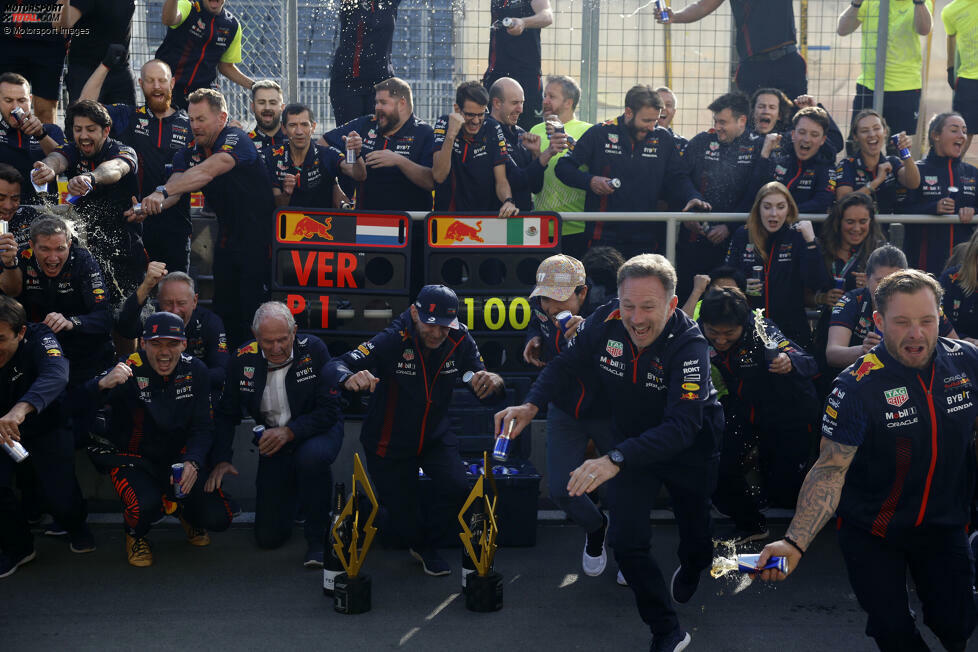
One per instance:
(138, 551)
(196, 536)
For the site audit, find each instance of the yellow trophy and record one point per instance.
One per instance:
(351, 591)
(483, 587)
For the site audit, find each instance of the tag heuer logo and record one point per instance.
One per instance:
(930, 181)
(714, 146)
(780, 169)
(408, 354)
(614, 348)
(612, 138)
(142, 382)
(896, 397)
(249, 372)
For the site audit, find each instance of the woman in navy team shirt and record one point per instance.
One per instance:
(960, 302)
(790, 258)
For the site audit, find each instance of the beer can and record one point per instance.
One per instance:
(176, 473)
(748, 563)
(562, 318)
(16, 451)
(500, 452)
(840, 282)
(904, 152)
(351, 157)
(660, 8)
(614, 183)
(256, 434)
(71, 199)
(19, 113)
(758, 271)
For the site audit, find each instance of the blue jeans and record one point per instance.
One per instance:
(295, 474)
(567, 439)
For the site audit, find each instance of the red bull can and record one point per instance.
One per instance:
(16, 450)
(615, 183)
(748, 563)
(952, 193)
(72, 199)
(904, 152)
(38, 187)
(19, 113)
(467, 377)
(562, 318)
(256, 434)
(176, 476)
(840, 282)
(351, 157)
(660, 8)
(500, 452)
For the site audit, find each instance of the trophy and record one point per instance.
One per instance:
(351, 590)
(483, 587)
(770, 346)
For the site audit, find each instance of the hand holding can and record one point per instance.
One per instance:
(176, 477)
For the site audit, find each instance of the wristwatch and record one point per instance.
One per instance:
(510, 200)
(616, 457)
(162, 191)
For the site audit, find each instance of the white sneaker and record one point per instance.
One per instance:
(621, 579)
(594, 565)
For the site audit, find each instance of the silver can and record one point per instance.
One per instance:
(351, 157)
(614, 183)
(16, 451)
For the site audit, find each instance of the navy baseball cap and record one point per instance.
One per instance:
(438, 305)
(163, 325)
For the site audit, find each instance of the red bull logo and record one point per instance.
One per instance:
(688, 396)
(309, 228)
(869, 363)
(459, 231)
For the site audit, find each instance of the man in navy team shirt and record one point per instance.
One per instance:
(223, 163)
(23, 143)
(397, 148)
(156, 130)
(304, 173)
(469, 159)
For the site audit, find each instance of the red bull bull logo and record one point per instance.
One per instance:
(310, 228)
(869, 363)
(459, 231)
(688, 396)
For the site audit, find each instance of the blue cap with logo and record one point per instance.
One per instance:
(437, 305)
(163, 325)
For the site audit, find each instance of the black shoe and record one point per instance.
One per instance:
(430, 560)
(81, 540)
(673, 642)
(683, 585)
(52, 529)
(10, 563)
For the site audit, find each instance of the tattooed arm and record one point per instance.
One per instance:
(817, 502)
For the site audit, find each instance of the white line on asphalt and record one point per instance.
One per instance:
(444, 604)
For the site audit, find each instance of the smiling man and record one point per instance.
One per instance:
(160, 415)
(653, 364)
(267, 103)
(102, 174)
(897, 467)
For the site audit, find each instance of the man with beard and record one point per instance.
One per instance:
(514, 49)
(469, 157)
(560, 98)
(266, 104)
(17, 217)
(667, 429)
(203, 38)
(177, 293)
(24, 142)
(102, 176)
(411, 369)
(33, 373)
(896, 473)
(397, 149)
(527, 161)
(363, 56)
(629, 163)
(304, 173)
(223, 162)
(160, 415)
(156, 131)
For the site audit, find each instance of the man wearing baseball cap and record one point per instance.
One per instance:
(575, 415)
(412, 368)
(160, 416)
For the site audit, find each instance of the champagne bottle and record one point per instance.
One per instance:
(331, 562)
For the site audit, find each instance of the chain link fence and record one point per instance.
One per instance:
(607, 45)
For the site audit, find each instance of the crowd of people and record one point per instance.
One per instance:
(738, 400)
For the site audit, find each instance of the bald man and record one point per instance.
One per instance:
(526, 163)
(156, 131)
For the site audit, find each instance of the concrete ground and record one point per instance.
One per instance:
(233, 596)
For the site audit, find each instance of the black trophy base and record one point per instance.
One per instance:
(351, 595)
(484, 594)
